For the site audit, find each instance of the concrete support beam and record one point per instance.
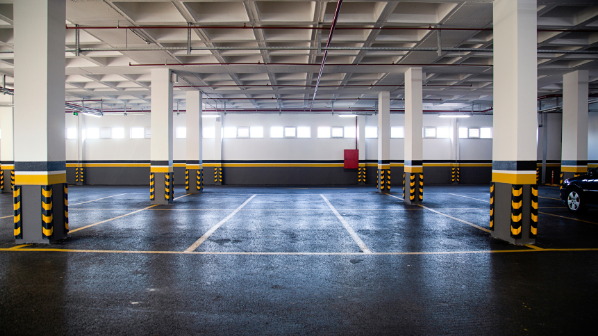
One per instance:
(574, 159)
(41, 213)
(384, 142)
(361, 171)
(513, 214)
(7, 165)
(79, 169)
(413, 191)
(218, 174)
(194, 166)
(161, 173)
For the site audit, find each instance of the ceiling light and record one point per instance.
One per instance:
(453, 116)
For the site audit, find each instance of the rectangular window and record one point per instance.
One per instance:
(71, 133)
(350, 132)
(93, 133)
(336, 132)
(118, 133)
(371, 132)
(276, 132)
(474, 133)
(486, 132)
(105, 133)
(429, 132)
(243, 132)
(256, 132)
(230, 132)
(290, 132)
(137, 133)
(443, 132)
(304, 132)
(397, 132)
(463, 132)
(209, 132)
(323, 132)
(180, 132)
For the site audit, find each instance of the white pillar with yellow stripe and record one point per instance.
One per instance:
(161, 171)
(194, 167)
(384, 177)
(514, 151)
(7, 165)
(414, 174)
(39, 124)
(574, 159)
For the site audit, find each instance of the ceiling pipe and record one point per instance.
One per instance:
(313, 64)
(288, 110)
(336, 12)
(309, 86)
(303, 99)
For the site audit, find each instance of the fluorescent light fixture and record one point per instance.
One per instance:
(453, 116)
(347, 115)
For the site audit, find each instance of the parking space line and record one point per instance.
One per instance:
(556, 199)
(575, 219)
(6, 217)
(349, 229)
(111, 219)
(97, 199)
(457, 219)
(206, 235)
(533, 247)
(477, 199)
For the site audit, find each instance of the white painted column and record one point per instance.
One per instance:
(413, 186)
(514, 151)
(218, 133)
(575, 124)
(194, 167)
(39, 121)
(162, 137)
(384, 142)
(81, 134)
(7, 150)
(361, 171)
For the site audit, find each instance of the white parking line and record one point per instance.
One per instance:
(354, 235)
(215, 227)
(98, 199)
(477, 199)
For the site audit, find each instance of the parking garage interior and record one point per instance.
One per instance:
(297, 167)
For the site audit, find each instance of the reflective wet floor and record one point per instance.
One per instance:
(298, 261)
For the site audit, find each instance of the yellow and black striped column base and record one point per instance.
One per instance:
(1, 180)
(413, 184)
(161, 188)
(361, 175)
(6, 179)
(514, 212)
(455, 175)
(12, 180)
(40, 213)
(218, 180)
(384, 181)
(79, 176)
(194, 181)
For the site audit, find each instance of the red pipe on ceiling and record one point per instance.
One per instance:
(309, 64)
(297, 110)
(298, 85)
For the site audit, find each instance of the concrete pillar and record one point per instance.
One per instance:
(384, 142)
(574, 159)
(414, 173)
(455, 169)
(6, 151)
(513, 200)
(79, 169)
(194, 167)
(40, 191)
(218, 125)
(161, 172)
(361, 171)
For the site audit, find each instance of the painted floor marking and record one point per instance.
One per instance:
(349, 229)
(206, 235)
(6, 217)
(298, 253)
(111, 219)
(534, 247)
(575, 219)
(176, 198)
(97, 199)
(477, 199)
(557, 199)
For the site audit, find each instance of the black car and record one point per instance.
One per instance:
(577, 192)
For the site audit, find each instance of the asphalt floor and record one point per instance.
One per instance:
(336, 260)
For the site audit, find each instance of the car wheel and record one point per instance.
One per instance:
(574, 201)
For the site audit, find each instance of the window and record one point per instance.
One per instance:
(323, 132)
(209, 132)
(463, 132)
(290, 132)
(180, 132)
(336, 132)
(444, 132)
(397, 132)
(474, 133)
(350, 132)
(486, 132)
(105, 133)
(118, 133)
(304, 132)
(429, 132)
(230, 132)
(137, 133)
(243, 132)
(276, 132)
(256, 132)
(371, 132)
(93, 133)
(71, 133)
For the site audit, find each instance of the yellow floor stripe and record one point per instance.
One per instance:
(534, 247)
(575, 219)
(19, 246)
(111, 219)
